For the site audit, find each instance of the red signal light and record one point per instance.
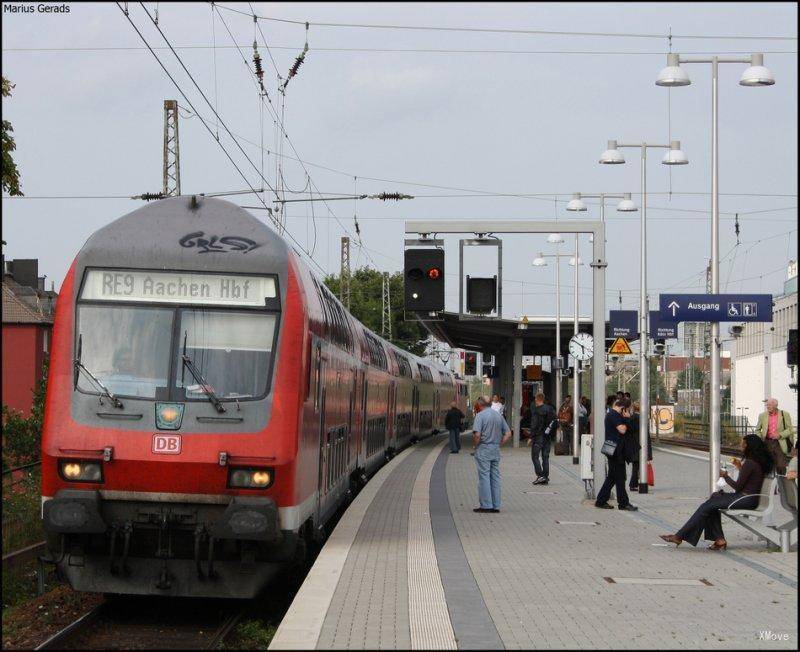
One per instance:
(434, 273)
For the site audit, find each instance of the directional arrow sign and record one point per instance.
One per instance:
(715, 307)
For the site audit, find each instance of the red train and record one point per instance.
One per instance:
(211, 405)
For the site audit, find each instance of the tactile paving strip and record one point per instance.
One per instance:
(302, 624)
(431, 628)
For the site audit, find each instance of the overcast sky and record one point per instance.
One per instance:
(88, 122)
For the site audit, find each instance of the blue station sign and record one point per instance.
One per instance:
(623, 323)
(715, 307)
(662, 330)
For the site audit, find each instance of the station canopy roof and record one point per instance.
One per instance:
(491, 335)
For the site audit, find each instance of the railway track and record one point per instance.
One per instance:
(695, 444)
(147, 622)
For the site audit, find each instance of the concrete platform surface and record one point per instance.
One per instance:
(411, 566)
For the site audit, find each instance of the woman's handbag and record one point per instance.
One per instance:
(609, 448)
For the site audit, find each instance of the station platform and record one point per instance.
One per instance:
(411, 566)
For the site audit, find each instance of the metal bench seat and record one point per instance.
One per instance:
(766, 521)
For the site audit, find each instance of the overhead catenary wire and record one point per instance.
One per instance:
(185, 97)
(203, 95)
(654, 53)
(280, 125)
(498, 30)
(472, 192)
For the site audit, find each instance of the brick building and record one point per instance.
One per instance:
(27, 322)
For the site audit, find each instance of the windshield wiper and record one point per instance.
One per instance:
(188, 364)
(79, 366)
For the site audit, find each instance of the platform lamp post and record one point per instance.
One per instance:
(674, 156)
(576, 204)
(755, 75)
(541, 261)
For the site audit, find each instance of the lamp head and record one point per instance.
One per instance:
(673, 74)
(555, 238)
(675, 155)
(539, 261)
(757, 74)
(612, 155)
(576, 203)
(627, 205)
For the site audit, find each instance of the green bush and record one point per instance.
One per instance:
(22, 436)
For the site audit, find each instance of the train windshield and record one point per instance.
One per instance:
(231, 350)
(125, 348)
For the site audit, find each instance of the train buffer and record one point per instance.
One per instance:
(410, 565)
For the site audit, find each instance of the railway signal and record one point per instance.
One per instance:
(424, 280)
(470, 363)
(481, 294)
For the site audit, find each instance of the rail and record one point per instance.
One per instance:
(697, 444)
(196, 627)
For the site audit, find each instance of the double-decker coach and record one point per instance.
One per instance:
(211, 404)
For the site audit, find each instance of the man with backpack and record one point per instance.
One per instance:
(544, 424)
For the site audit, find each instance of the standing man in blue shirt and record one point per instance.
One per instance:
(490, 431)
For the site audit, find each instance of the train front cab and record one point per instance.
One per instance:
(169, 450)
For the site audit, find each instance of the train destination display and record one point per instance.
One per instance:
(178, 287)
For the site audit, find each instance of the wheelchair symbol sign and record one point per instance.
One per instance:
(735, 309)
(750, 309)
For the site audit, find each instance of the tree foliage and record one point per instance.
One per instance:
(366, 305)
(22, 436)
(10, 171)
(690, 378)
(658, 391)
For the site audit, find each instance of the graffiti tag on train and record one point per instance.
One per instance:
(212, 243)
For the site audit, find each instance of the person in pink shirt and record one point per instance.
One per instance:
(775, 428)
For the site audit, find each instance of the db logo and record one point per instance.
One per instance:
(167, 444)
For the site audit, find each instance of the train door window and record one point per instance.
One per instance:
(317, 367)
(231, 350)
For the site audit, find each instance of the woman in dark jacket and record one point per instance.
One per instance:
(632, 446)
(756, 463)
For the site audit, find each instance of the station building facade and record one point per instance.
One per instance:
(759, 365)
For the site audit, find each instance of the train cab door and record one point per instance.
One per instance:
(362, 440)
(353, 421)
(415, 408)
(319, 404)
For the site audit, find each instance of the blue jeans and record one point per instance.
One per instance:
(541, 447)
(455, 440)
(488, 482)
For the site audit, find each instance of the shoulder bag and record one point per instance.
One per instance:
(609, 448)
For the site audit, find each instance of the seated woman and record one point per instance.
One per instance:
(756, 463)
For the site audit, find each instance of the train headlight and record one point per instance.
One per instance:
(77, 471)
(169, 416)
(261, 478)
(250, 478)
